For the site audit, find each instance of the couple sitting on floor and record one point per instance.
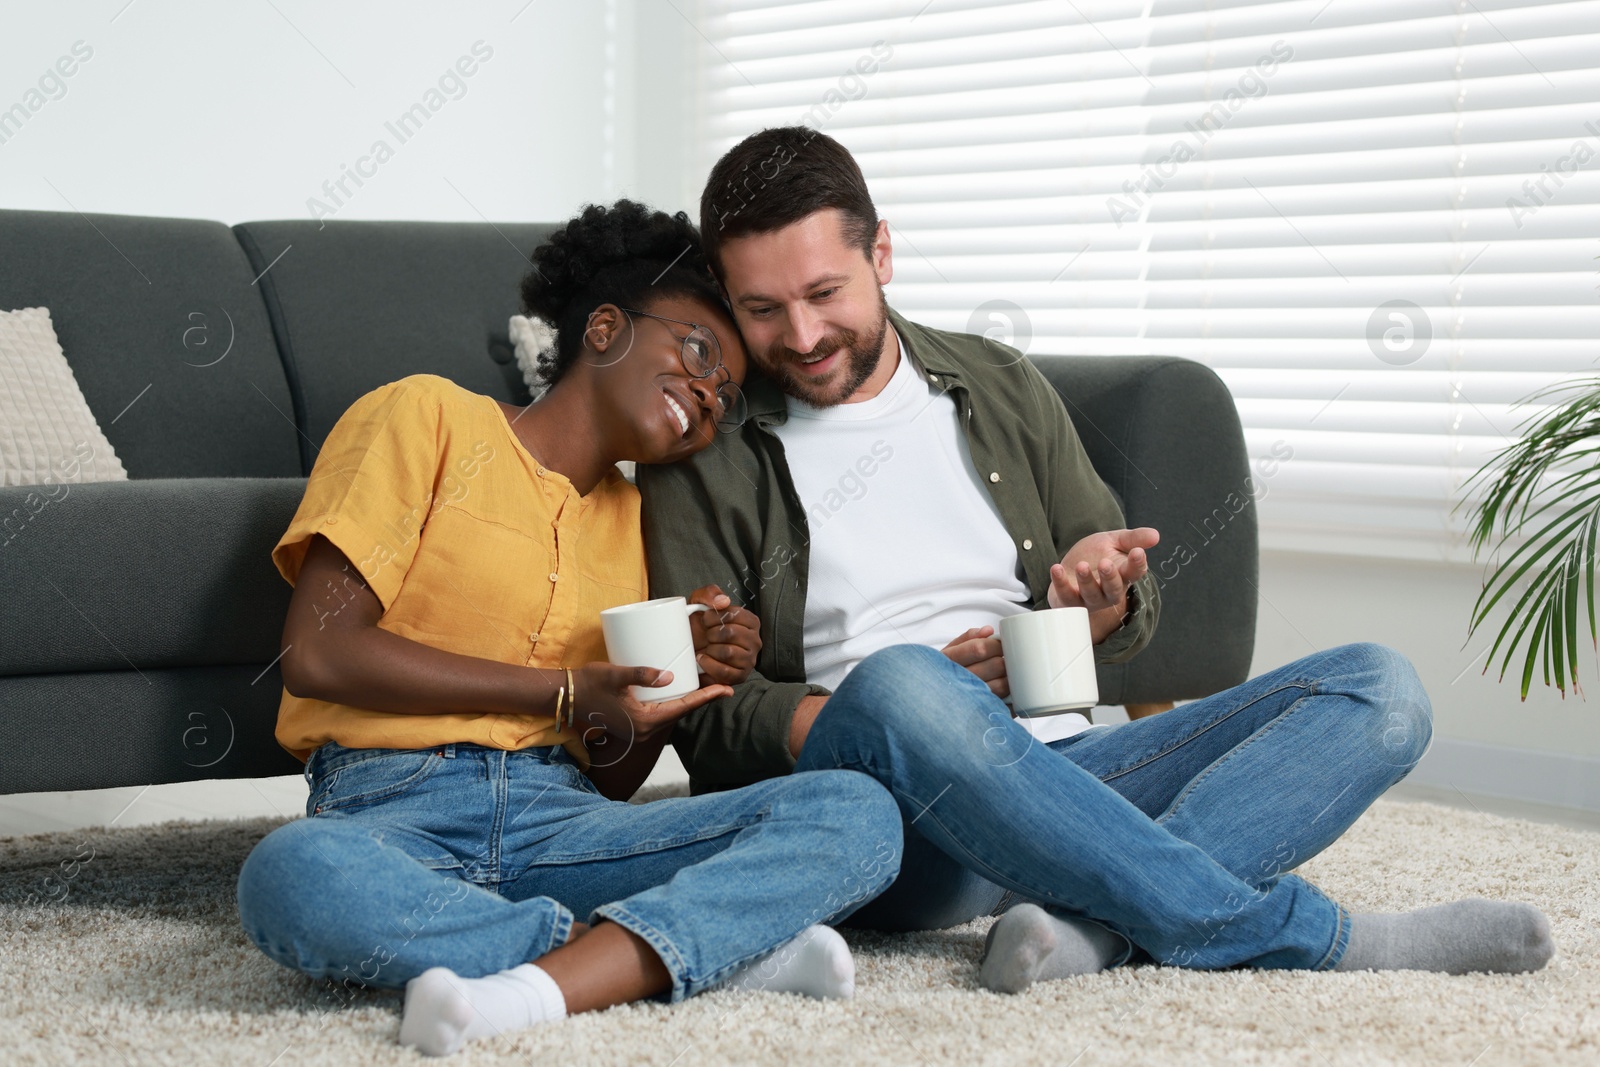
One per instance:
(452, 555)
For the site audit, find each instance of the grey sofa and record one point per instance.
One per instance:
(140, 621)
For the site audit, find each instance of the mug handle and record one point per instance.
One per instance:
(690, 609)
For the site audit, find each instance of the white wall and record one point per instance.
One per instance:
(1486, 740)
(243, 111)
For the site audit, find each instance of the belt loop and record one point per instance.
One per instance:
(448, 751)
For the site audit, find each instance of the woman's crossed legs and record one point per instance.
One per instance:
(476, 860)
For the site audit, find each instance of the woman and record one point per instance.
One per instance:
(469, 750)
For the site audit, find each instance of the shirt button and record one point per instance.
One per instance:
(333, 520)
(541, 472)
(934, 378)
(994, 476)
(552, 576)
(533, 637)
(1026, 544)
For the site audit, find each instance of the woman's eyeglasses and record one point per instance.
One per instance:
(702, 357)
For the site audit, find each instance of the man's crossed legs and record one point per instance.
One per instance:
(1171, 833)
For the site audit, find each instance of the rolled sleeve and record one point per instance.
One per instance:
(1140, 627)
(371, 488)
(743, 738)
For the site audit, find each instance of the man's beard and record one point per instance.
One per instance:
(860, 360)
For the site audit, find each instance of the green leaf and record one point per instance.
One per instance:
(1547, 482)
(1588, 564)
(1574, 577)
(1537, 548)
(1533, 652)
(1511, 620)
(1555, 654)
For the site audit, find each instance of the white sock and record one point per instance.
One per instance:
(443, 1010)
(817, 963)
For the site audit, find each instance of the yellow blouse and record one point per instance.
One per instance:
(471, 545)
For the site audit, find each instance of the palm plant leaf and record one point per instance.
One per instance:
(1544, 492)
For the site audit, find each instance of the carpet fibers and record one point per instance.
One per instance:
(124, 947)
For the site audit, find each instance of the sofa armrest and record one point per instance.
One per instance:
(1164, 434)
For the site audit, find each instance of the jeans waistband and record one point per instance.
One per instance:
(332, 755)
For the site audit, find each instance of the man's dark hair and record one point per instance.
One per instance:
(777, 177)
(625, 254)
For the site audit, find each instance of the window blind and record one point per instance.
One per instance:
(1377, 220)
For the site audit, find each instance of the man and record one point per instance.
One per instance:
(895, 491)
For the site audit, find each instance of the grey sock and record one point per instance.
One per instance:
(1027, 944)
(1457, 938)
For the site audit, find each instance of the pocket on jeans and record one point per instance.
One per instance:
(381, 776)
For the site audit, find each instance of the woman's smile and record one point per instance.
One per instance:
(679, 411)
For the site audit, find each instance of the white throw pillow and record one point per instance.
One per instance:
(48, 435)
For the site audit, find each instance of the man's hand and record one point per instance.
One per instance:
(727, 639)
(1096, 573)
(978, 650)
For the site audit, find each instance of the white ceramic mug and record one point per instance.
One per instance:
(654, 633)
(1049, 661)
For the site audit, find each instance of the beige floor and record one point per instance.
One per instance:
(143, 961)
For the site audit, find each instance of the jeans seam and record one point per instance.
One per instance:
(1308, 686)
(978, 866)
(646, 848)
(1341, 937)
(329, 780)
(1216, 765)
(561, 932)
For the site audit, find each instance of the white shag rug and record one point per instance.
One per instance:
(124, 947)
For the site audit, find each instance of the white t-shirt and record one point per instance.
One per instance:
(907, 546)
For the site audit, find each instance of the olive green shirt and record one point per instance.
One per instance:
(730, 516)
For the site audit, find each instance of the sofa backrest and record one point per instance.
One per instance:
(357, 304)
(166, 335)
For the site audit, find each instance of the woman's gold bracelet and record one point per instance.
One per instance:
(572, 699)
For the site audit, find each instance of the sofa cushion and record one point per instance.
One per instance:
(97, 729)
(47, 432)
(145, 574)
(167, 337)
(359, 304)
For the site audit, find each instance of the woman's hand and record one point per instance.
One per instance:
(727, 639)
(978, 650)
(603, 704)
(623, 735)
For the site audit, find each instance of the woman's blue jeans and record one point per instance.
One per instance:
(1174, 831)
(477, 859)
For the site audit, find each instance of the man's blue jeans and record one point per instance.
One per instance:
(1174, 831)
(477, 859)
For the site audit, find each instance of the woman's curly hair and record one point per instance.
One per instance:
(625, 254)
